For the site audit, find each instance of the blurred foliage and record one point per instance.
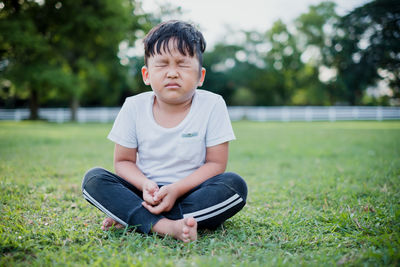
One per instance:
(66, 51)
(73, 53)
(367, 49)
(317, 60)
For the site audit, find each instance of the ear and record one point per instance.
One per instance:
(202, 77)
(145, 75)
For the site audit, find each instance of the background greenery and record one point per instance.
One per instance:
(72, 53)
(319, 194)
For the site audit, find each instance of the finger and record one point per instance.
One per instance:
(154, 209)
(154, 188)
(160, 194)
(149, 200)
(147, 206)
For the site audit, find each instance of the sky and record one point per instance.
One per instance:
(214, 16)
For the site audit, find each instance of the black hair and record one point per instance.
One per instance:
(188, 39)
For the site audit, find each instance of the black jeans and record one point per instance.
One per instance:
(210, 203)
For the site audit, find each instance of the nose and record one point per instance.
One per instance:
(172, 72)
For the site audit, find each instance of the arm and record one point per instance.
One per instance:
(125, 167)
(216, 161)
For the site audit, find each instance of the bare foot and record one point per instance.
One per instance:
(109, 222)
(184, 229)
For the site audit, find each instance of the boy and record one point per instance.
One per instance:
(171, 147)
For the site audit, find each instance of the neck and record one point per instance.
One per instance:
(170, 115)
(172, 108)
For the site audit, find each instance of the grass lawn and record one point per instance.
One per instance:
(319, 194)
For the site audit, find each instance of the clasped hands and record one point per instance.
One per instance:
(158, 200)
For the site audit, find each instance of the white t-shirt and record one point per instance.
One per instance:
(166, 155)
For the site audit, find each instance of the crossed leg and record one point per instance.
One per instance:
(206, 206)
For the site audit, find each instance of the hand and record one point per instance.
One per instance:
(166, 197)
(150, 188)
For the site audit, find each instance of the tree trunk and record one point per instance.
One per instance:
(355, 97)
(74, 108)
(33, 104)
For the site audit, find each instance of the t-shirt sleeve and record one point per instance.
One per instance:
(123, 131)
(219, 128)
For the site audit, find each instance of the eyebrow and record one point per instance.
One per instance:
(161, 60)
(182, 60)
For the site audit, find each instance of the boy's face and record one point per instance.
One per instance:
(173, 76)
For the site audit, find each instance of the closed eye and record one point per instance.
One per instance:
(161, 63)
(184, 65)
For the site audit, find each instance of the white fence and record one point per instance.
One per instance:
(334, 113)
(61, 115)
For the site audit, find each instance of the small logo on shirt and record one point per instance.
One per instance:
(188, 135)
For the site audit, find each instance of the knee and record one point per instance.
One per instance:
(237, 183)
(91, 176)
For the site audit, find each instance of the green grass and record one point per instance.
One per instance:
(319, 194)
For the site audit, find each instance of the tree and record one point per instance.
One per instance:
(237, 71)
(219, 63)
(87, 34)
(279, 78)
(366, 48)
(314, 31)
(68, 46)
(26, 57)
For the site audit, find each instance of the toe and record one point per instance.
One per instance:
(119, 226)
(190, 222)
(107, 221)
(185, 230)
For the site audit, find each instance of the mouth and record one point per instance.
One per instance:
(172, 85)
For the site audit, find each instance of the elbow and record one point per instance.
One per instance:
(223, 167)
(220, 167)
(217, 166)
(121, 166)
